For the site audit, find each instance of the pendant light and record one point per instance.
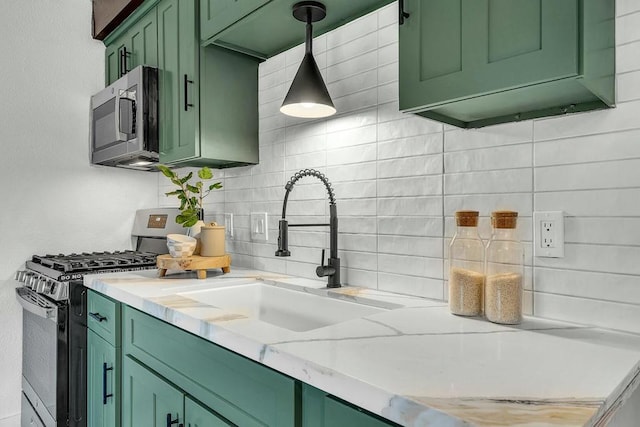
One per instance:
(308, 96)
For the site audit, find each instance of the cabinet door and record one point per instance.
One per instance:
(216, 15)
(457, 49)
(113, 65)
(322, 410)
(138, 46)
(142, 42)
(179, 85)
(199, 416)
(149, 401)
(103, 382)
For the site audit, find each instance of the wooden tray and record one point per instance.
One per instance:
(194, 262)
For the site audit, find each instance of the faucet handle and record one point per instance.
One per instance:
(322, 259)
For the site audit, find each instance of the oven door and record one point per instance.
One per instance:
(44, 357)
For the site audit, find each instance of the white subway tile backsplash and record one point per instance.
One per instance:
(426, 287)
(363, 26)
(414, 186)
(628, 86)
(357, 154)
(399, 178)
(586, 176)
(357, 101)
(388, 15)
(485, 159)
(628, 28)
(410, 166)
(354, 66)
(496, 181)
(350, 137)
(409, 245)
(353, 84)
(356, 119)
(410, 206)
(492, 136)
(628, 57)
(599, 258)
(412, 146)
(588, 311)
(606, 231)
(587, 284)
(591, 148)
(591, 202)
(487, 203)
(351, 48)
(408, 126)
(410, 225)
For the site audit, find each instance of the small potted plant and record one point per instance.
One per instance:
(190, 194)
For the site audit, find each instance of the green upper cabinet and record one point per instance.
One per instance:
(264, 28)
(216, 15)
(178, 80)
(472, 63)
(137, 46)
(208, 97)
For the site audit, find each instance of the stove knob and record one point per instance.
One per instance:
(30, 281)
(42, 283)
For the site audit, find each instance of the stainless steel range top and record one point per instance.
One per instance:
(50, 275)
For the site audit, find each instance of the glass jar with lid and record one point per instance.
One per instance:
(504, 270)
(466, 257)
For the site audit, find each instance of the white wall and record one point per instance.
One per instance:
(51, 200)
(399, 179)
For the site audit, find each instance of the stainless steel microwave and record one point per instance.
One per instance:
(124, 121)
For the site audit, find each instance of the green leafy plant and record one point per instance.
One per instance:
(190, 195)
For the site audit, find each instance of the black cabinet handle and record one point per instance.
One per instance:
(105, 396)
(186, 97)
(402, 15)
(170, 421)
(123, 61)
(98, 317)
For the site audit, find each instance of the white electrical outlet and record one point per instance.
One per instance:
(259, 227)
(548, 234)
(228, 225)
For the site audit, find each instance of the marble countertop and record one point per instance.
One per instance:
(417, 365)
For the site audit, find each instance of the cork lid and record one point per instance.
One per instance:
(467, 218)
(504, 219)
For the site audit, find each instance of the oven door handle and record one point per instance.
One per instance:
(34, 303)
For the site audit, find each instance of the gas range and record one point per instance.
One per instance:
(50, 275)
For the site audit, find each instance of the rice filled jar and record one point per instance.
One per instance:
(466, 257)
(504, 271)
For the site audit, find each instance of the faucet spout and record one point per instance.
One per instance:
(332, 269)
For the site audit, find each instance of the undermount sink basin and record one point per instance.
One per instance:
(294, 310)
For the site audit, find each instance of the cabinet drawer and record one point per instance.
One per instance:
(244, 392)
(103, 317)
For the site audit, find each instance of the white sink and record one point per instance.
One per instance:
(294, 310)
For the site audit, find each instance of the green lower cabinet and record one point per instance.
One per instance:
(197, 415)
(322, 410)
(103, 382)
(151, 401)
(148, 400)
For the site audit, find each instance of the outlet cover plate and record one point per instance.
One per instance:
(259, 227)
(548, 234)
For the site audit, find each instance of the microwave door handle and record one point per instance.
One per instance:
(124, 136)
(26, 298)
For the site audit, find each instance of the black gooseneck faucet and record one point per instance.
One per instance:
(332, 269)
